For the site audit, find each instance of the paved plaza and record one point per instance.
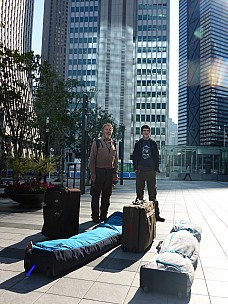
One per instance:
(114, 277)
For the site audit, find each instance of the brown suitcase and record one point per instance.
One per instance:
(139, 226)
(61, 212)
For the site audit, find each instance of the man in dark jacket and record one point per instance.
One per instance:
(146, 164)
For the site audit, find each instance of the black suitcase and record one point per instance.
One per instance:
(139, 226)
(61, 212)
(168, 282)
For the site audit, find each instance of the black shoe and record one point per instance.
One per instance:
(160, 219)
(103, 219)
(96, 220)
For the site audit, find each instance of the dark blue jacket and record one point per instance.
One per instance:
(137, 153)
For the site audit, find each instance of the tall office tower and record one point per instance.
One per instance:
(16, 19)
(116, 62)
(203, 63)
(120, 50)
(55, 34)
(152, 68)
(16, 24)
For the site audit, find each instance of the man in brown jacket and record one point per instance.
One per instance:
(103, 169)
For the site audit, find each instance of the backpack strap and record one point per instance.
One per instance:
(98, 143)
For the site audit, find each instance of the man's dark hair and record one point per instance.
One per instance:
(145, 127)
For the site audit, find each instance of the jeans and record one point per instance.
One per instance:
(148, 177)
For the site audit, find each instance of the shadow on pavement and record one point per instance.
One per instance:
(22, 283)
(8, 205)
(17, 250)
(153, 297)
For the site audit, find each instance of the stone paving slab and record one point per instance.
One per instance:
(114, 277)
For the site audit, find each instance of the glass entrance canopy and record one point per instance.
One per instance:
(194, 159)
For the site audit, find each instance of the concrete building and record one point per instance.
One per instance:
(172, 135)
(203, 63)
(16, 19)
(16, 24)
(120, 51)
(55, 34)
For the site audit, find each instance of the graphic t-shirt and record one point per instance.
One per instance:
(146, 162)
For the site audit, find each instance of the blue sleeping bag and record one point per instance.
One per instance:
(59, 256)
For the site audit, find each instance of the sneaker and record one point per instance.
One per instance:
(160, 219)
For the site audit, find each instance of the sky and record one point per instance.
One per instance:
(174, 36)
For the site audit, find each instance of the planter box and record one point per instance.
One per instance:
(28, 198)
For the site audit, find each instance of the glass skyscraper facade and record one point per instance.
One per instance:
(203, 77)
(152, 61)
(119, 49)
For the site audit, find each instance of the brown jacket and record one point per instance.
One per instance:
(103, 157)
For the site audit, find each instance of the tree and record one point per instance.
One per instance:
(56, 108)
(16, 74)
(96, 118)
(41, 110)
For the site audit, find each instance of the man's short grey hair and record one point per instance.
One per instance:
(107, 125)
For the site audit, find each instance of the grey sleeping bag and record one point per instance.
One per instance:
(194, 229)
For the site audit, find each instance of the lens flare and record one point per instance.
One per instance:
(218, 73)
(199, 32)
(30, 271)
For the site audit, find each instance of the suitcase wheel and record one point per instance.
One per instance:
(27, 265)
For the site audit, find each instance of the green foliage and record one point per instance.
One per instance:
(31, 167)
(96, 118)
(52, 99)
(16, 73)
(43, 111)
